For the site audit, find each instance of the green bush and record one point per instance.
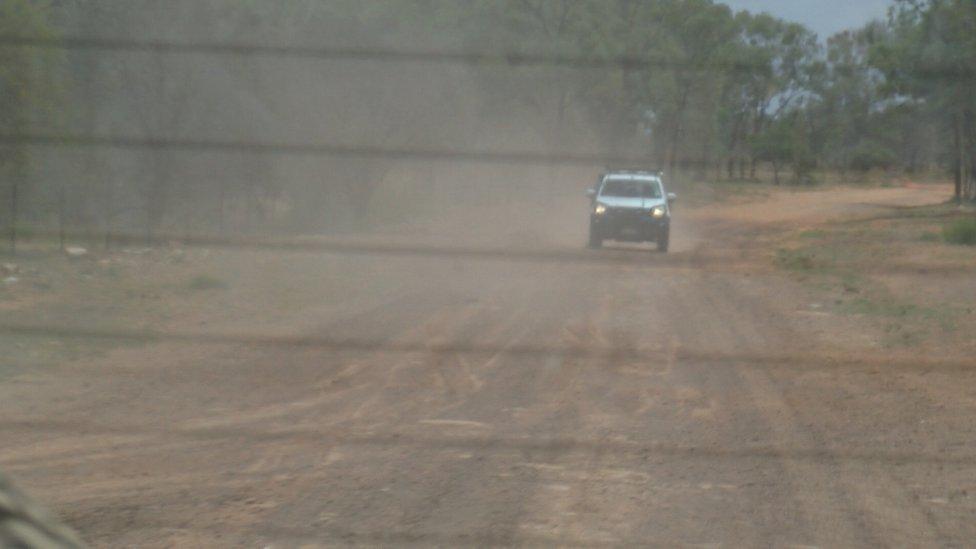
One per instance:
(961, 231)
(870, 155)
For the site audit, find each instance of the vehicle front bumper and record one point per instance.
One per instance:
(629, 225)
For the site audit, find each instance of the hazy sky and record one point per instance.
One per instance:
(823, 16)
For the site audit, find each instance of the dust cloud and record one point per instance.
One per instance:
(308, 101)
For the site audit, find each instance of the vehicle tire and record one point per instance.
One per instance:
(663, 241)
(595, 241)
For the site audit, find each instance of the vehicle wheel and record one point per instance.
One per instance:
(595, 241)
(663, 242)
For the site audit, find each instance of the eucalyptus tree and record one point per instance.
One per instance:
(930, 56)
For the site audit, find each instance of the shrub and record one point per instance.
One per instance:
(961, 231)
(871, 155)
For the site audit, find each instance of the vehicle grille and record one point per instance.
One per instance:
(625, 214)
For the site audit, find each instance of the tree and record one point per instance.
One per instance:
(785, 141)
(774, 145)
(29, 85)
(929, 56)
(847, 97)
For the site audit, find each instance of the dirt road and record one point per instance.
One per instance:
(684, 422)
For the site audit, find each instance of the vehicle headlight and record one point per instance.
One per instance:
(658, 212)
(600, 209)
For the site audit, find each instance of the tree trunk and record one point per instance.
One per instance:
(757, 130)
(959, 169)
(706, 158)
(155, 208)
(677, 129)
(673, 154)
(969, 162)
(221, 206)
(62, 214)
(157, 195)
(108, 212)
(733, 146)
(14, 190)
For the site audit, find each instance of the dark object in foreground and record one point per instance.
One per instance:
(25, 524)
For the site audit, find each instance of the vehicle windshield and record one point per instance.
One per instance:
(629, 188)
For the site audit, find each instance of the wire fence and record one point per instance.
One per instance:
(676, 260)
(693, 260)
(360, 152)
(505, 59)
(345, 151)
(937, 71)
(549, 445)
(596, 353)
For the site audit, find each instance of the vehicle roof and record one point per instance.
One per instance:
(633, 175)
(633, 171)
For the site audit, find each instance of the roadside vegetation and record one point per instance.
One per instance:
(961, 231)
(133, 287)
(896, 270)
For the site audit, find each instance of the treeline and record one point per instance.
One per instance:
(724, 93)
(689, 85)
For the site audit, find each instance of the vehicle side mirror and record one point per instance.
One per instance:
(591, 193)
(672, 197)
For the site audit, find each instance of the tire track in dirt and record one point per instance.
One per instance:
(783, 498)
(534, 395)
(420, 491)
(129, 466)
(346, 380)
(825, 499)
(385, 394)
(455, 448)
(562, 483)
(887, 511)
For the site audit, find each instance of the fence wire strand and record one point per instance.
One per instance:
(377, 152)
(503, 59)
(587, 352)
(361, 152)
(935, 71)
(550, 445)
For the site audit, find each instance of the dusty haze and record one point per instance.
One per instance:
(315, 273)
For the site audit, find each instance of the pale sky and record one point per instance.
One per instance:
(825, 17)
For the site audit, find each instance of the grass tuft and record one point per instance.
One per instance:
(206, 282)
(961, 231)
(813, 233)
(797, 260)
